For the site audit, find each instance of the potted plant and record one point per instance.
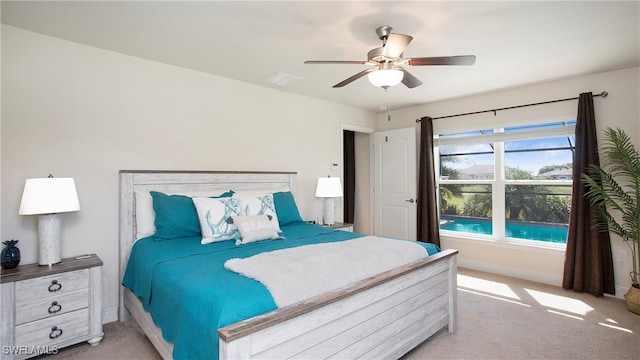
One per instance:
(614, 189)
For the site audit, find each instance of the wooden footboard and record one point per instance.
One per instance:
(381, 317)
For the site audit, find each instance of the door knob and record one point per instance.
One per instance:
(410, 201)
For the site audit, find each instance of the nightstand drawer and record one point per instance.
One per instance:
(53, 330)
(52, 285)
(40, 308)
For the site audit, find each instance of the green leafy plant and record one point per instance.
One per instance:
(614, 189)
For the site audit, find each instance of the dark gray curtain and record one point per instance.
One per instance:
(588, 265)
(349, 161)
(428, 223)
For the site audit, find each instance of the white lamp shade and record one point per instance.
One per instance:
(49, 196)
(386, 77)
(329, 187)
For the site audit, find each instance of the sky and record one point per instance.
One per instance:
(531, 160)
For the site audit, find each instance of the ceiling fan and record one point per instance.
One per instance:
(388, 58)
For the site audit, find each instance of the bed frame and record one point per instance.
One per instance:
(384, 316)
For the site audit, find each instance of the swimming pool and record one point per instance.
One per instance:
(520, 230)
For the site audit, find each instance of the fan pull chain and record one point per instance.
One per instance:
(388, 113)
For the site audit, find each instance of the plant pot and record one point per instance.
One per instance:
(632, 299)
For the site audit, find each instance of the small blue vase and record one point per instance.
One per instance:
(10, 256)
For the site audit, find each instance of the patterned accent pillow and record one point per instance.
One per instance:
(255, 228)
(261, 204)
(215, 219)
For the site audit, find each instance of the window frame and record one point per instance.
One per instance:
(499, 183)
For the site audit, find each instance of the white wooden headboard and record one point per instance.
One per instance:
(174, 181)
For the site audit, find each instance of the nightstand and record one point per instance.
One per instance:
(341, 226)
(45, 308)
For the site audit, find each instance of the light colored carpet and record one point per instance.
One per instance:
(498, 318)
(505, 318)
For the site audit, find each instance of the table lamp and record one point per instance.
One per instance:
(329, 188)
(47, 198)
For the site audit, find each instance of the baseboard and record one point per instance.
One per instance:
(109, 315)
(525, 274)
(620, 291)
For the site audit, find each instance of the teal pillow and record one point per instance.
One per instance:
(286, 208)
(176, 216)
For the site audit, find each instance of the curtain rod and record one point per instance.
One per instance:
(603, 94)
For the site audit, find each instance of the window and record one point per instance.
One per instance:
(508, 183)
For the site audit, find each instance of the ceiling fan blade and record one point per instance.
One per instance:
(395, 45)
(442, 60)
(354, 78)
(334, 62)
(409, 80)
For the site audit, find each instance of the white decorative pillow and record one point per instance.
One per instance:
(145, 215)
(255, 228)
(261, 204)
(215, 219)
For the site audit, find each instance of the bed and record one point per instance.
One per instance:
(380, 316)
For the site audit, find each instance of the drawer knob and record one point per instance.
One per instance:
(55, 286)
(55, 307)
(55, 332)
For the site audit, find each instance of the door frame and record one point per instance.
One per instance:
(369, 131)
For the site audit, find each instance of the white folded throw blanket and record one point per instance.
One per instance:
(298, 273)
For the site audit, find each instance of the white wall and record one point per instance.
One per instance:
(619, 109)
(82, 112)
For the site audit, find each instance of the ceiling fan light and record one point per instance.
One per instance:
(386, 78)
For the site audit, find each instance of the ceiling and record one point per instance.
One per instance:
(515, 42)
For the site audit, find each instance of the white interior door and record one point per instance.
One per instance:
(395, 203)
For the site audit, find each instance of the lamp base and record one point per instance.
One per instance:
(49, 228)
(329, 218)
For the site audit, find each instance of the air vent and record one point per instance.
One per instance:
(281, 79)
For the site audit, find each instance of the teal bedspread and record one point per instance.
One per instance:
(189, 294)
